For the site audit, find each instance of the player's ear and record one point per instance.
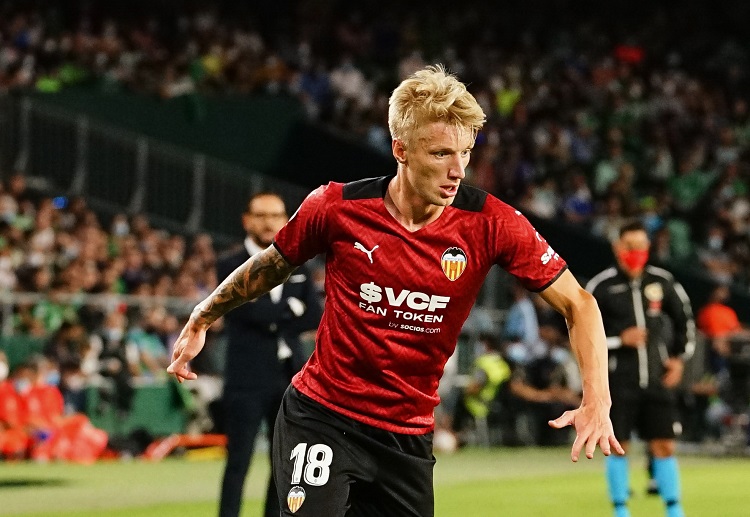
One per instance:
(399, 150)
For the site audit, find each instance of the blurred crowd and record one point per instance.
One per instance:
(60, 247)
(103, 305)
(593, 119)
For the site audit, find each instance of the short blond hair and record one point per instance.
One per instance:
(432, 95)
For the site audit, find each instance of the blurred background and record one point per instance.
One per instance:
(133, 132)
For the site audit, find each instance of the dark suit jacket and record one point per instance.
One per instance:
(254, 329)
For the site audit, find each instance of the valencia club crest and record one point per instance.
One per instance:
(453, 262)
(295, 498)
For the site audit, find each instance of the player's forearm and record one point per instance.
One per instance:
(588, 341)
(258, 275)
(586, 332)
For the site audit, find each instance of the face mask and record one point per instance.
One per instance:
(53, 378)
(4, 370)
(715, 243)
(634, 260)
(113, 334)
(559, 355)
(22, 385)
(517, 353)
(120, 228)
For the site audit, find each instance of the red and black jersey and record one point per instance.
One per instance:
(396, 300)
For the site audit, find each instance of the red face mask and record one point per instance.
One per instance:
(634, 260)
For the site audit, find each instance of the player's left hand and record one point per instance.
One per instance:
(673, 375)
(593, 426)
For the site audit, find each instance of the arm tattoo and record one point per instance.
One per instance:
(258, 275)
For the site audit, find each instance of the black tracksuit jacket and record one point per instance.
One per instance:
(655, 301)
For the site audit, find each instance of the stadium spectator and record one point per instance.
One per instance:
(358, 401)
(521, 324)
(650, 333)
(489, 373)
(542, 199)
(719, 322)
(145, 338)
(313, 85)
(547, 316)
(68, 344)
(540, 388)
(607, 223)
(69, 348)
(713, 256)
(606, 171)
(14, 438)
(116, 361)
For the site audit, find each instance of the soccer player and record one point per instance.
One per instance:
(650, 333)
(405, 258)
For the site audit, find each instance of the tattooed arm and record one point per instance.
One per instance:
(258, 275)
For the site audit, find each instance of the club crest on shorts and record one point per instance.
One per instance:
(295, 498)
(453, 262)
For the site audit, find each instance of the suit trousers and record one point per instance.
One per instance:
(244, 410)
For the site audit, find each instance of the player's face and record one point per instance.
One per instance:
(435, 161)
(265, 216)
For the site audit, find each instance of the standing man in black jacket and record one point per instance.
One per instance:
(264, 351)
(650, 333)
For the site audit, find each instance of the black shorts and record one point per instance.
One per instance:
(328, 465)
(652, 414)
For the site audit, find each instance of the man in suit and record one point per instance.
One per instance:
(264, 351)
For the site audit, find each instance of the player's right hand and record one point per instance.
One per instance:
(188, 344)
(634, 337)
(593, 427)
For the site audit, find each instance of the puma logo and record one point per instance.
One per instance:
(358, 246)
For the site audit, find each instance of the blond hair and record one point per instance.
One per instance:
(432, 95)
